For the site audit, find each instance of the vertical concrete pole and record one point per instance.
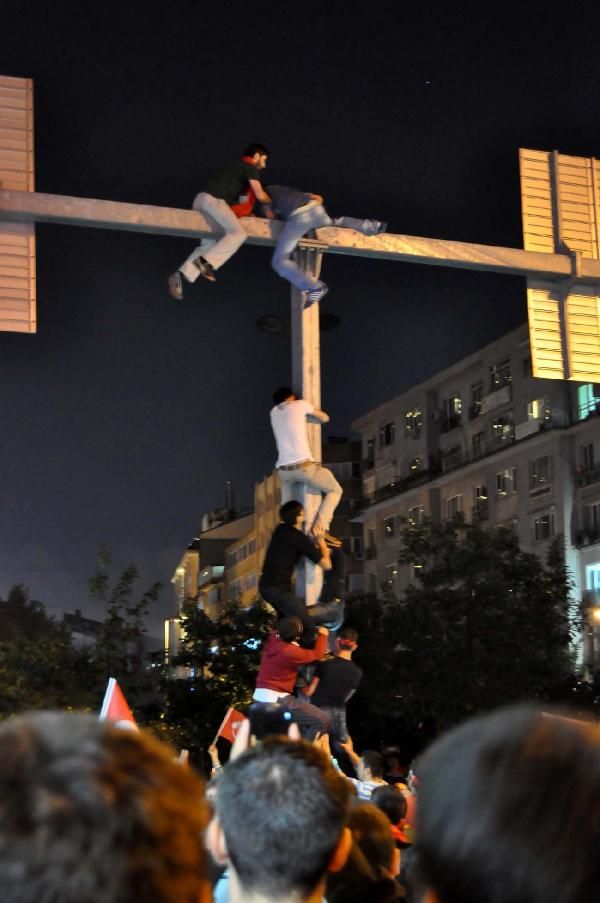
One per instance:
(306, 382)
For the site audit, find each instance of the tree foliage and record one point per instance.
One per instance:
(483, 624)
(119, 648)
(215, 668)
(39, 666)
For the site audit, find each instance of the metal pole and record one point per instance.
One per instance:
(306, 382)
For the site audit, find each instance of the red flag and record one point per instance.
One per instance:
(115, 708)
(230, 724)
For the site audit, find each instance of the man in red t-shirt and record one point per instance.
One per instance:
(281, 658)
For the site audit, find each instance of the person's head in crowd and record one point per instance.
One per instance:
(371, 765)
(396, 771)
(291, 513)
(509, 811)
(371, 832)
(280, 822)
(347, 639)
(91, 813)
(373, 862)
(289, 629)
(391, 801)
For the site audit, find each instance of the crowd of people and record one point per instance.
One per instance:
(505, 809)
(502, 809)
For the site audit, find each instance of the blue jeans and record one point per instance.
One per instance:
(297, 225)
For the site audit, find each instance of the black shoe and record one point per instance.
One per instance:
(205, 269)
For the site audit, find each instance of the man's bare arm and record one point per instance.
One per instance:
(325, 561)
(259, 191)
(318, 416)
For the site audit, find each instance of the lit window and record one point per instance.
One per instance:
(543, 527)
(416, 515)
(389, 526)
(500, 375)
(540, 471)
(506, 482)
(413, 420)
(454, 506)
(586, 400)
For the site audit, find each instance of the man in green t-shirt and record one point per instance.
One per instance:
(229, 194)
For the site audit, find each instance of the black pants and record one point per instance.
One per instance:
(287, 604)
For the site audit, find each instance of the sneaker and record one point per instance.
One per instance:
(374, 227)
(205, 269)
(315, 295)
(176, 285)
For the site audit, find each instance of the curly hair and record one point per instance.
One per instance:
(90, 813)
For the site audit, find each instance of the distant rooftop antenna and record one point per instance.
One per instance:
(229, 499)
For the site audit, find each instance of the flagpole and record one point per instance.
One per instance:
(223, 722)
(107, 695)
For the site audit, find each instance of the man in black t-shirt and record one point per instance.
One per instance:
(288, 544)
(335, 681)
(229, 194)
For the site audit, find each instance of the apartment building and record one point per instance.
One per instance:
(485, 438)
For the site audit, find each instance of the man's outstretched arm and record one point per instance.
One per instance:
(318, 416)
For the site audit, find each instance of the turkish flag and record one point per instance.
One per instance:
(230, 724)
(115, 707)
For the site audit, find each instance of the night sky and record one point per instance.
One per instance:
(127, 412)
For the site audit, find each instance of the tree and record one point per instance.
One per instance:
(215, 668)
(39, 667)
(119, 648)
(484, 624)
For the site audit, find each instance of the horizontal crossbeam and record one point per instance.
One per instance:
(31, 207)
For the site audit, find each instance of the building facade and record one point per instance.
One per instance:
(486, 439)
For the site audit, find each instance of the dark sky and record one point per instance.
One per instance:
(127, 412)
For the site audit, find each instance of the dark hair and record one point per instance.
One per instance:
(373, 760)
(508, 810)
(90, 813)
(347, 636)
(289, 628)
(282, 394)
(282, 808)
(289, 512)
(256, 149)
(391, 801)
(371, 833)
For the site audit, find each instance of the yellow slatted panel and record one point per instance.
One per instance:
(17, 242)
(571, 349)
(544, 333)
(536, 201)
(582, 308)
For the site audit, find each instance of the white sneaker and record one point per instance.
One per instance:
(315, 295)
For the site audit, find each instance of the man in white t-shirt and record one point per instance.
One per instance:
(295, 463)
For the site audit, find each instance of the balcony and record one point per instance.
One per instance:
(474, 410)
(450, 423)
(588, 476)
(480, 511)
(496, 399)
(371, 553)
(588, 536)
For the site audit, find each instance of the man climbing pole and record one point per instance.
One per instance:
(288, 545)
(229, 194)
(295, 463)
(303, 211)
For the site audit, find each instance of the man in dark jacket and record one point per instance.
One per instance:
(288, 544)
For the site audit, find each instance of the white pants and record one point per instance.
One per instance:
(216, 252)
(315, 477)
